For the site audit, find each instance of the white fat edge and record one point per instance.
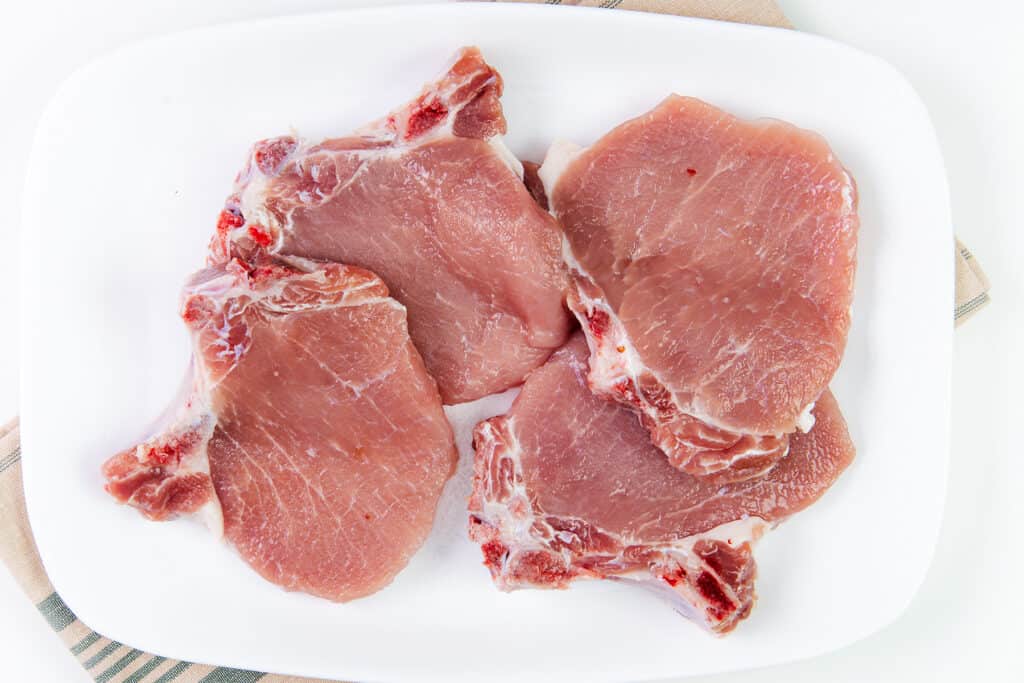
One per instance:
(497, 142)
(346, 298)
(376, 131)
(254, 210)
(211, 513)
(805, 422)
(615, 363)
(396, 148)
(220, 289)
(735, 533)
(341, 302)
(252, 200)
(847, 193)
(399, 148)
(514, 532)
(301, 263)
(175, 407)
(747, 454)
(748, 529)
(194, 413)
(628, 361)
(849, 185)
(230, 290)
(560, 154)
(190, 413)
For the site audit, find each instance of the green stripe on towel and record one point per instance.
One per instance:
(56, 612)
(118, 666)
(173, 672)
(226, 675)
(85, 643)
(145, 670)
(107, 650)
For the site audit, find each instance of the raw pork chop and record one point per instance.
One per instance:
(313, 432)
(713, 264)
(568, 485)
(431, 200)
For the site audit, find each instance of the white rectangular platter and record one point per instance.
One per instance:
(131, 164)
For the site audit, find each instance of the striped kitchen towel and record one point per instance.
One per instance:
(971, 285)
(111, 662)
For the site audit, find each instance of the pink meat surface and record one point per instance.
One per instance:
(567, 485)
(429, 199)
(712, 263)
(313, 435)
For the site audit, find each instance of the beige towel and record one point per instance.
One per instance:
(111, 662)
(971, 285)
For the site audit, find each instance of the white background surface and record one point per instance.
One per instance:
(967, 64)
